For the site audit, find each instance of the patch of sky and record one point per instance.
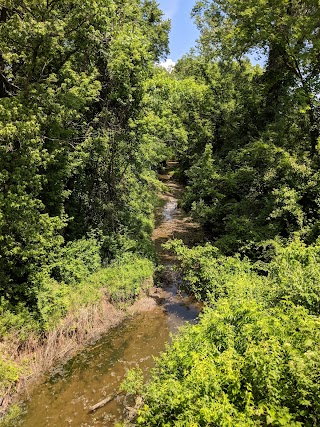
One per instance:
(184, 33)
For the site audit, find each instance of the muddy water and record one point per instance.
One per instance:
(65, 397)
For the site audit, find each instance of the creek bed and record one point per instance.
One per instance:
(66, 395)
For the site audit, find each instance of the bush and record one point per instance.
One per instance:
(240, 366)
(292, 275)
(254, 357)
(123, 279)
(295, 275)
(11, 417)
(9, 374)
(210, 276)
(76, 261)
(17, 319)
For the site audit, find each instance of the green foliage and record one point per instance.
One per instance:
(133, 382)
(240, 366)
(124, 279)
(9, 374)
(176, 114)
(72, 155)
(11, 417)
(17, 319)
(121, 282)
(252, 177)
(256, 193)
(253, 359)
(82, 134)
(77, 170)
(55, 300)
(285, 33)
(208, 274)
(294, 274)
(76, 261)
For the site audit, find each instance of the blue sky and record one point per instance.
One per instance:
(183, 32)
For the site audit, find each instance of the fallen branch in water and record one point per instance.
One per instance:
(104, 402)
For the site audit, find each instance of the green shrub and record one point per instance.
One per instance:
(122, 281)
(55, 300)
(17, 319)
(124, 278)
(209, 275)
(9, 374)
(292, 275)
(254, 357)
(240, 366)
(11, 417)
(295, 275)
(76, 261)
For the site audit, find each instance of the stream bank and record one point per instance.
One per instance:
(68, 393)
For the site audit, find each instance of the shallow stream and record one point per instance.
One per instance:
(65, 397)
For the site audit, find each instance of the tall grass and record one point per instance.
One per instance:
(68, 316)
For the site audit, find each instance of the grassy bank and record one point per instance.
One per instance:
(69, 317)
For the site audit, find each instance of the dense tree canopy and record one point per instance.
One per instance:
(287, 32)
(250, 161)
(71, 87)
(87, 118)
(251, 155)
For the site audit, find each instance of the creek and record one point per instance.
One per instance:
(66, 395)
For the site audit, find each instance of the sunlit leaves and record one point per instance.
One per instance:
(253, 359)
(71, 88)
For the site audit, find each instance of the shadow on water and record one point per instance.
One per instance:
(67, 394)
